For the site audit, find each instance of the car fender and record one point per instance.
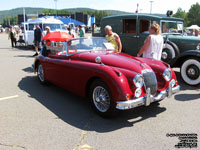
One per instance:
(116, 81)
(177, 61)
(37, 59)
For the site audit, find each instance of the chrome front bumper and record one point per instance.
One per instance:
(146, 100)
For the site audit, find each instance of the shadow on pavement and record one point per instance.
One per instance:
(28, 56)
(28, 69)
(77, 112)
(186, 96)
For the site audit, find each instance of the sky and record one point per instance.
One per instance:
(158, 6)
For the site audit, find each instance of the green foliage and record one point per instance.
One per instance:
(97, 13)
(53, 12)
(181, 14)
(190, 18)
(193, 15)
(15, 12)
(10, 21)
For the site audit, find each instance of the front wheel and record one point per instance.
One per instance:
(101, 99)
(169, 52)
(190, 71)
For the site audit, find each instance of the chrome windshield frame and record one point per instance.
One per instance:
(65, 45)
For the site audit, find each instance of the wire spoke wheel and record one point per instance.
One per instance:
(101, 99)
(40, 73)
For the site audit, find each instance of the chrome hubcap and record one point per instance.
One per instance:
(164, 55)
(41, 73)
(191, 71)
(101, 99)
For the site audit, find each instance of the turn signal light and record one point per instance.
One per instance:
(128, 96)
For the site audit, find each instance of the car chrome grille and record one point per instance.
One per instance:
(150, 81)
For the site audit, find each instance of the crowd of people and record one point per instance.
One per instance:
(152, 47)
(193, 32)
(13, 35)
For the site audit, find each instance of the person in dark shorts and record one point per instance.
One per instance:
(12, 36)
(37, 39)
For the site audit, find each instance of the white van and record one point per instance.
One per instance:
(29, 27)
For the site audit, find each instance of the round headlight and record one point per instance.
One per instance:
(138, 92)
(167, 74)
(138, 81)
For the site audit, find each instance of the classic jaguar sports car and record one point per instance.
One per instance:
(113, 81)
(178, 50)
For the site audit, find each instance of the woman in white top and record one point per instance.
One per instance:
(153, 45)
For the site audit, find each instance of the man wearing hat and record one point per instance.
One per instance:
(37, 38)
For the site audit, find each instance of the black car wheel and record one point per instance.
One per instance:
(190, 71)
(170, 51)
(101, 99)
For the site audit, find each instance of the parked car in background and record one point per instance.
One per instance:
(54, 24)
(112, 81)
(178, 51)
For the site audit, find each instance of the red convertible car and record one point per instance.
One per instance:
(112, 81)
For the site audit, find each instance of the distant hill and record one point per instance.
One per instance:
(30, 10)
(17, 11)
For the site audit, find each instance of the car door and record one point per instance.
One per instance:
(54, 68)
(143, 31)
(129, 36)
(64, 71)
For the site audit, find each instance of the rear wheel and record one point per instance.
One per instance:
(40, 74)
(170, 51)
(190, 71)
(101, 99)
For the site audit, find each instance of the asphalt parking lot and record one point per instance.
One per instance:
(36, 117)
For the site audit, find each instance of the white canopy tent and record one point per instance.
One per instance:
(195, 27)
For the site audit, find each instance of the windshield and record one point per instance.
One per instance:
(172, 27)
(82, 44)
(54, 27)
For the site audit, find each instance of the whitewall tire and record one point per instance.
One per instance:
(190, 71)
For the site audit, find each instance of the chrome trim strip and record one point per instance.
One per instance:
(146, 100)
(169, 93)
(148, 97)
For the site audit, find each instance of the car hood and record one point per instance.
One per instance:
(118, 60)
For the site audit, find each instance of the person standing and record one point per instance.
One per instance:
(113, 38)
(191, 33)
(48, 30)
(196, 32)
(81, 31)
(153, 45)
(37, 39)
(12, 36)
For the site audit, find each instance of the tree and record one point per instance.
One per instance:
(181, 14)
(7, 21)
(49, 11)
(100, 14)
(193, 15)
